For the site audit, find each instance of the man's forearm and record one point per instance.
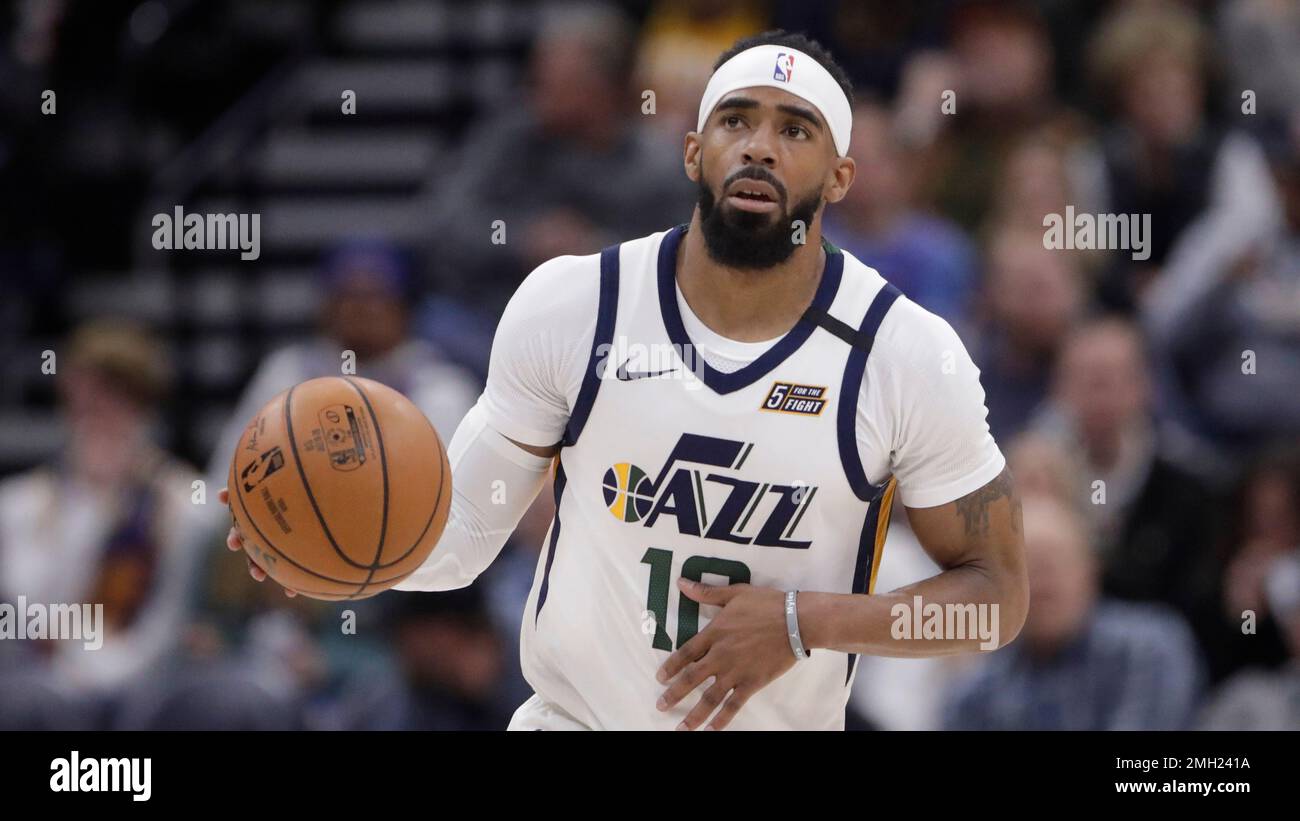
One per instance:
(921, 619)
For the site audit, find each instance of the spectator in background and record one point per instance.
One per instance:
(1081, 662)
(1266, 699)
(1033, 184)
(1043, 175)
(1043, 466)
(1000, 75)
(290, 657)
(1156, 523)
(1206, 188)
(871, 39)
(366, 286)
(110, 521)
(928, 258)
(32, 700)
(1206, 315)
(206, 697)
(1258, 39)
(1032, 298)
(678, 44)
(147, 80)
(448, 666)
(1265, 527)
(570, 171)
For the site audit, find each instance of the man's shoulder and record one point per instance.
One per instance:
(576, 277)
(859, 272)
(559, 281)
(908, 331)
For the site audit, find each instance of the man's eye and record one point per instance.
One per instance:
(797, 131)
(730, 120)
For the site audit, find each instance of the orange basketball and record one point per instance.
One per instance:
(340, 487)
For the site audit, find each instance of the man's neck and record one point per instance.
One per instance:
(749, 305)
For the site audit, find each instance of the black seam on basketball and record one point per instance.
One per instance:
(383, 465)
(442, 474)
(335, 596)
(267, 543)
(306, 486)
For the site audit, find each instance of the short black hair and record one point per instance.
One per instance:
(799, 42)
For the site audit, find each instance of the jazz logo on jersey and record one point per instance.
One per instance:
(784, 67)
(786, 397)
(711, 504)
(629, 493)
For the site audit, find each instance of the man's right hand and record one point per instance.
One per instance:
(235, 541)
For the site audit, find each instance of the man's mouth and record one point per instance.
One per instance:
(752, 195)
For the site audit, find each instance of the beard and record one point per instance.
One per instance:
(748, 240)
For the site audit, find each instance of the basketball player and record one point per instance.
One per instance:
(730, 408)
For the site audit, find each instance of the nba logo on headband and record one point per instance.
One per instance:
(784, 67)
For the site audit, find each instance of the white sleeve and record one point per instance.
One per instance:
(922, 403)
(541, 348)
(493, 482)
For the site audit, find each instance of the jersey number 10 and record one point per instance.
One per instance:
(688, 610)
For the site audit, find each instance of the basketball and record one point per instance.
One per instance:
(340, 487)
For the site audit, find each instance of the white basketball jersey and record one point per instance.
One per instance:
(670, 468)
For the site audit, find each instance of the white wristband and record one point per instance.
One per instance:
(792, 626)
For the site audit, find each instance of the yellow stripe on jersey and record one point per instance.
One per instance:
(882, 530)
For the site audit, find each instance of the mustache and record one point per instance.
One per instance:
(757, 172)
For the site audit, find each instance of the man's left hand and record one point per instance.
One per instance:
(743, 649)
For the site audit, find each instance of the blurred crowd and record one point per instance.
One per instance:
(1149, 407)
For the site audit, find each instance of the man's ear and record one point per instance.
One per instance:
(841, 179)
(691, 155)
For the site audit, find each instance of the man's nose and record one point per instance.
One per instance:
(761, 147)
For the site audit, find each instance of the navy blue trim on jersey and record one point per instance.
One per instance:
(851, 387)
(606, 311)
(724, 383)
(866, 556)
(560, 482)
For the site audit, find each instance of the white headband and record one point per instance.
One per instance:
(784, 68)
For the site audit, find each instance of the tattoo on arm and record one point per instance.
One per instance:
(974, 506)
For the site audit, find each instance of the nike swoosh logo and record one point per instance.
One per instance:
(624, 376)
